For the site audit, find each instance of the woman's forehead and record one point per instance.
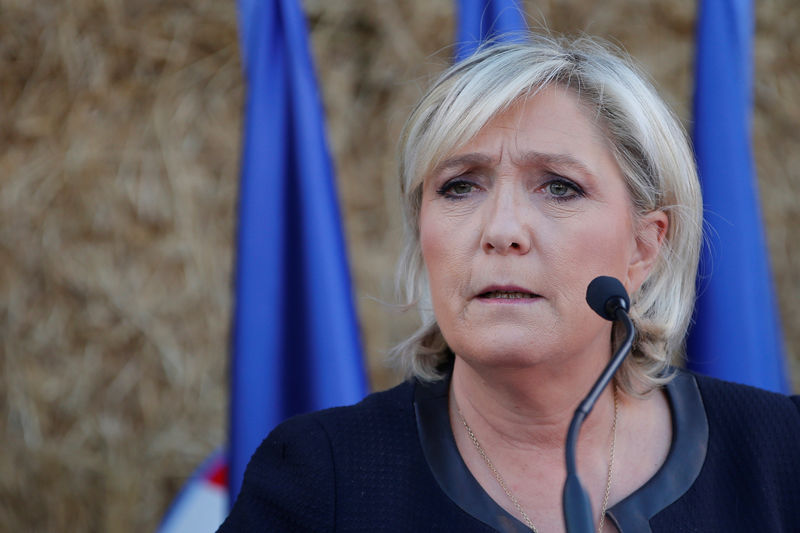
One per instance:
(552, 126)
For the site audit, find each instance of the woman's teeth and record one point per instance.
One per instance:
(507, 295)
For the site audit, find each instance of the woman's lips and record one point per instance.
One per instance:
(506, 293)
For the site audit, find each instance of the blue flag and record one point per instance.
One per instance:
(295, 340)
(736, 335)
(481, 20)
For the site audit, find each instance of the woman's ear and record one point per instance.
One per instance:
(650, 233)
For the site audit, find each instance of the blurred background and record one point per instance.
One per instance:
(120, 129)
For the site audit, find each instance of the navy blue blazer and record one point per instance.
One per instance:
(389, 463)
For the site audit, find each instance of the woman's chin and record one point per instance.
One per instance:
(507, 354)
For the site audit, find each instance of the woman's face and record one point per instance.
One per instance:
(516, 223)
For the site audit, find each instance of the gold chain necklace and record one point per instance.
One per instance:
(510, 494)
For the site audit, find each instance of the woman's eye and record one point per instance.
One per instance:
(456, 188)
(562, 189)
(461, 188)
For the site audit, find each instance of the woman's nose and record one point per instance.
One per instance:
(505, 228)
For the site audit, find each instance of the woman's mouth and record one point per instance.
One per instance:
(507, 295)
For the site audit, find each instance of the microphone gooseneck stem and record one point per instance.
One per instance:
(577, 508)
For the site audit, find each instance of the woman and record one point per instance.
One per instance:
(527, 170)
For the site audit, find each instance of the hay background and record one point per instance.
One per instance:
(120, 129)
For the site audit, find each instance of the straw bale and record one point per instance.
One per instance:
(120, 127)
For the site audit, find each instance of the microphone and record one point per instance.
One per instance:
(609, 299)
(605, 294)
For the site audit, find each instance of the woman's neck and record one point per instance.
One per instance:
(521, 417)
(529, 408)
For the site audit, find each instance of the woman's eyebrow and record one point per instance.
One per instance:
(463, 160)
(557, 160)
(527, 158)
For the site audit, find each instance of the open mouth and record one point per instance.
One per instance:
(507, 295)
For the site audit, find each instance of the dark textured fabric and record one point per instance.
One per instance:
(751, 478)
(351, 469)
(361, 468)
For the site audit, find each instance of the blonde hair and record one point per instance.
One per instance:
(649, 145)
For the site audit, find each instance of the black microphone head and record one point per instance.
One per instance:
(605, 295)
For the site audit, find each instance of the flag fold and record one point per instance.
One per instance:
(736, 335)
(295, 339)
